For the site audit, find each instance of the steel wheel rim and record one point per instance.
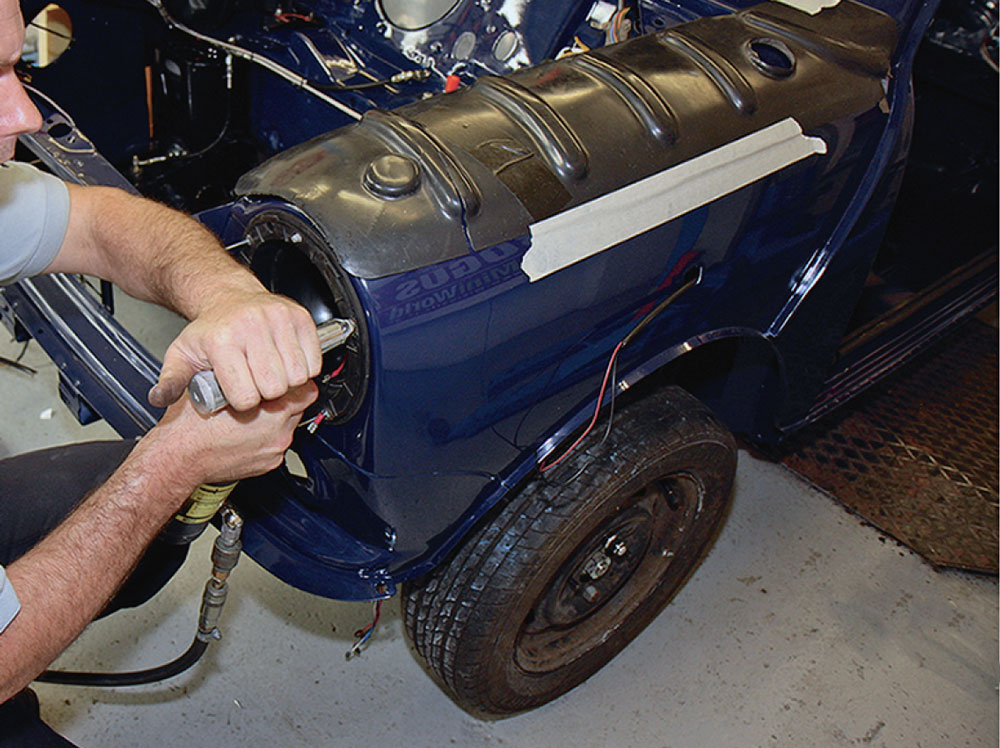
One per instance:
(566, 620)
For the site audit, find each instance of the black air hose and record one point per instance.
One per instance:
(134, 678)
(225, 555)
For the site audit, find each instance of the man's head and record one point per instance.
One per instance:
(17, 113)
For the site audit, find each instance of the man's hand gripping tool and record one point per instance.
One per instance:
(204, 390)
(207, 397)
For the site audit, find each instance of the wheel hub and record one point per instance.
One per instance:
(609, 573)
(593, 575)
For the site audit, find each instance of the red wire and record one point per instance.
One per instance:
(378, 614)
(285, 17)
(597, 411)
(337, 371)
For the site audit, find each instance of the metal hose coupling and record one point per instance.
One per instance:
(225, 556)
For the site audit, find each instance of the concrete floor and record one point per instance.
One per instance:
(804, 627)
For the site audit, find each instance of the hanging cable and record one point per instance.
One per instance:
(178, 153)
(229, 113)
(597, 411)
(363, 635)
(611, 367)
(35, 92)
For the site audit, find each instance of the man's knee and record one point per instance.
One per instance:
(39, 489)
(21, 725)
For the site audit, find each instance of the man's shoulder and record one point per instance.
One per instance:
(34, 215)
(18, 172)
(20, 181)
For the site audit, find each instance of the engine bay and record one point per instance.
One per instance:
(194, 94)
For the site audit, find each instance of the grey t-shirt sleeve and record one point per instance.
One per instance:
(9, 606)
(34, 214)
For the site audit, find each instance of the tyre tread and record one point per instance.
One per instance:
(482, 575)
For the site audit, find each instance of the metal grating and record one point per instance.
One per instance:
(917, 455)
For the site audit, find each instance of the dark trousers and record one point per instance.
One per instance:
(37, 491)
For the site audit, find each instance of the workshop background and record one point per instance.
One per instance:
(805, 626)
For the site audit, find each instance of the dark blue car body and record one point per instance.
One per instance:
(470, 366)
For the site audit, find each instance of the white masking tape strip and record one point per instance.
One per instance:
(580, 232)
(812, 7)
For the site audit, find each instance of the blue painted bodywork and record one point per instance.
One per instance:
(475, 372)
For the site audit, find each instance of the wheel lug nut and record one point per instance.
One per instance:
(597, 565)
(590, 593)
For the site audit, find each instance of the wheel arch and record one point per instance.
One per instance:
(737, 372)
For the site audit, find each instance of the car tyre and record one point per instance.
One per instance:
(562, 577)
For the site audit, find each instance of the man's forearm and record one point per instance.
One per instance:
(151, 251)
(259, 344)
(69, 577)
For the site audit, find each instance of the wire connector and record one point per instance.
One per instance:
(225, 556)
(408, 76)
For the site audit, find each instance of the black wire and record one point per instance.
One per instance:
(15, 364)
(660, 307)
(218, 138)
(607, 431)
(134, 678)
(221, 134)
(691, 282)
(51, 31)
